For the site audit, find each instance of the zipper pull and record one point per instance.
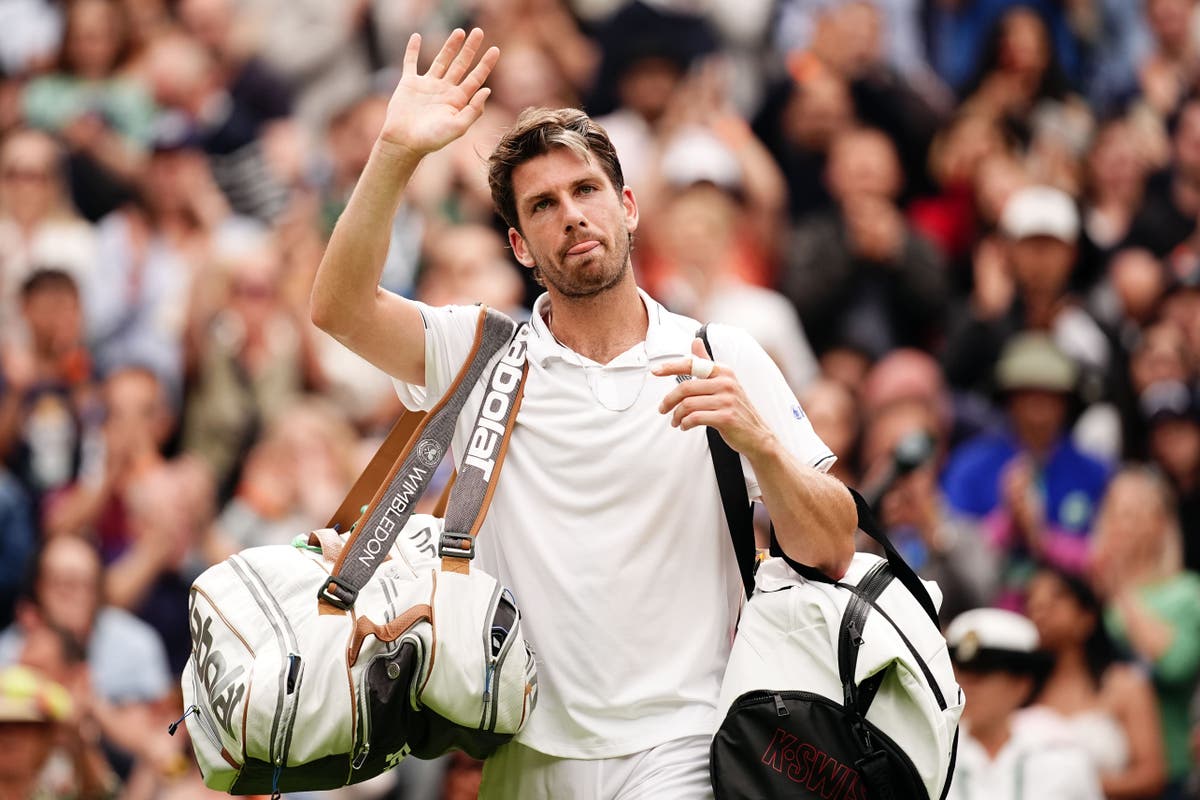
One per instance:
(855, 634)
(174, 726)
(361, 757)
(780, 708)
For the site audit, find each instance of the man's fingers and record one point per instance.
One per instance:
(466, 55)
(695, 367)
(411, 53)
(691, 405)
(688, 389)
(474, 109)
(442, 62)
(480, 74)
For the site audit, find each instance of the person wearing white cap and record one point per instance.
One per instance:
(999, 666)
(1022, 283)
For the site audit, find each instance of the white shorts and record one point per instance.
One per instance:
(677, 770)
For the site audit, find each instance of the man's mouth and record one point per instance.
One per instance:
(583, 247)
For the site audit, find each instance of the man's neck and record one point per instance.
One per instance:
(602, 326)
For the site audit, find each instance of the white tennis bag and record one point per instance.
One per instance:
(327, 662)
(839, 689)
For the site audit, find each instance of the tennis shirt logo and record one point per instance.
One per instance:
(489, 429)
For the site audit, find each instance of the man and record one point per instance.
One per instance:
(1034, 491)
(607, 524)
(999, 667)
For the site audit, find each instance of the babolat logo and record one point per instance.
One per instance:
(429, 452)
(410, 489)
(216, 677)
(816, 770)
(489, 430)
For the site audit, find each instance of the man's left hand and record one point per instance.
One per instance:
(717, 400)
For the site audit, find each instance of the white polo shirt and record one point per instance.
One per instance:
(607, 525)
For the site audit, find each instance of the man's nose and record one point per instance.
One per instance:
(573, 216)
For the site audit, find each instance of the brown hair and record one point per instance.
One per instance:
(536, 132)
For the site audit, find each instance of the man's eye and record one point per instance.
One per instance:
(587, 188)
(541, 205)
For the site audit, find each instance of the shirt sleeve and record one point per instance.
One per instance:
(772, 398)
(449, 334)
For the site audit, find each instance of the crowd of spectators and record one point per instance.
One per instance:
(966, 230)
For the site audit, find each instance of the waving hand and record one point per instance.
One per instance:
(429, 111)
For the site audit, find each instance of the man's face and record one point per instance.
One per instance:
(575, 228)
(1042, 264)
(1037, 416)
(991, 695)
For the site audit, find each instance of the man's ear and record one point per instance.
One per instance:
(631, 208)
(517, 242)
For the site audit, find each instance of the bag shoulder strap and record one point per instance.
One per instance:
(479, 472)
(731, 482)
(373, 475)
(394, 499)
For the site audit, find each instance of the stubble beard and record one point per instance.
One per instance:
(568, 284)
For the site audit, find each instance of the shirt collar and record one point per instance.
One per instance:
(543, 347)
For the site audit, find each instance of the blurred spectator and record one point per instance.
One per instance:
(38, 224)
(1000, 668)
(833, 411)
(861, 276)
(250, 81)
(126, 678)
(47, 386)
(1167, 216)
(294, 478)
(1168, 73)
(188, 81)
(1116, 172)
(1029, 40)
(149, 253)
(647, 50)
(901, 452)
(1153, 605)
(44, 750)
(957, 154)
(255, 354)
(17, 543)
(1022, 284)
(166, 524)
(316, 46)
(798, 124)
(104, 116)
(1092, 696)
(698, 233)
(848, 41)
(1172, 417)
(1034, 490)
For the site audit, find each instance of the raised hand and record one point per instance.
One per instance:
(429, 111)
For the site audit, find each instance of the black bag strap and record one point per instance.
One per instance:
(731, 482)
(394, 500)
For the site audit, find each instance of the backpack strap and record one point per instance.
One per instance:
(899, 567)
(731, 482)
(478, 474)
(393, 502)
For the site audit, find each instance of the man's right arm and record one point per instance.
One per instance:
(426, 113)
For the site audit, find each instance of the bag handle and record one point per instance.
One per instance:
(732, 484)
(392, 504)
